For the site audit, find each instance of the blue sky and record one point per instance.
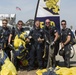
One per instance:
(28, 7)
(68, 12)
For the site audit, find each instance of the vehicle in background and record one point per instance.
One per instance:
(27, 29)
(10, 17)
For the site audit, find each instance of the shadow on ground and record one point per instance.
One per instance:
(72, 64)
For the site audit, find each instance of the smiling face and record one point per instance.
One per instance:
(37, 24)
(63, 24)
(19, 24)
(4, 23)
(47, 22)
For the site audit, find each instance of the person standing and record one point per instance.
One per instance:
(37, 38)
(4, 35)
(65, 43)
(18, 30)
(51, 37)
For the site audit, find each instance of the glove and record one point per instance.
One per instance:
(61, 52)
(52, 44)
(30, 37)
(21, 47)
(47, 42)
(11, 46)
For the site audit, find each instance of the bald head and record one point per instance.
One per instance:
(47, 22)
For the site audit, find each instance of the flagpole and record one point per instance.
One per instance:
(36, 11)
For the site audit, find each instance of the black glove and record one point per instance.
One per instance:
(52, 43)
(61, 52)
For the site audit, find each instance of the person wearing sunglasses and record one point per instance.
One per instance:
(18, 30)
(51, 37)
(37, 38)
(4, 35)
(65, 43)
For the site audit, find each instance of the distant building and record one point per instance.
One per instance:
(10, 17)
(30, 23)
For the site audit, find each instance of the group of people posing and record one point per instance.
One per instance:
(42, 43)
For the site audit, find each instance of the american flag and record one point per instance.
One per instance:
(17, 8)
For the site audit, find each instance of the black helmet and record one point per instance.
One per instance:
(61, 52)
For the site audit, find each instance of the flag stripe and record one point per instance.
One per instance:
(17, 8)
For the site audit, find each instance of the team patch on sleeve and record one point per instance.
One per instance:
(55, 31)
(69, 33)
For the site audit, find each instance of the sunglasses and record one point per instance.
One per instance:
(47, 22)
(19, 24)
(4, 23)
(63, 24)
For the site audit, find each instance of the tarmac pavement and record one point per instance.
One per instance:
(72, 60)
